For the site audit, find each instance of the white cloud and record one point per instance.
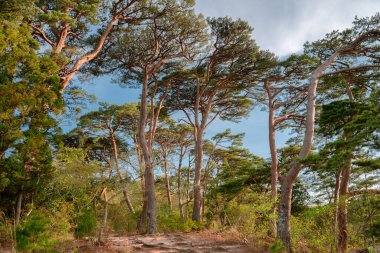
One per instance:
(283, 26)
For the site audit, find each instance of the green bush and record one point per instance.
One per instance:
(312, 231)
(251, 217)
(121, 220)
(190, 225)
(6, 229)
(168, 221)
(86, 224)
(277, 247)
(34, 234)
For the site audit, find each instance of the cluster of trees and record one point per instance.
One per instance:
(191, 72)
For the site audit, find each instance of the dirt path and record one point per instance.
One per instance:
(202, 242)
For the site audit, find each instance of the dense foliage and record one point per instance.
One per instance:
(148, 166)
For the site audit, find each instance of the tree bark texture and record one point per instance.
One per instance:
(198, 191)
(287, 182)
(149, 172)
(342, 210)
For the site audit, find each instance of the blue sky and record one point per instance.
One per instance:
(282, 26)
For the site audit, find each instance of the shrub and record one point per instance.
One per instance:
(121, 219)
(251, 218)
(277, 247)
(312, 231)
(86, 224)
(6, 230)
(168, 220)
(34, 234)
(190, 225)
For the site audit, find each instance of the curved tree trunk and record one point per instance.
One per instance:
(287, 182)
(116, 156)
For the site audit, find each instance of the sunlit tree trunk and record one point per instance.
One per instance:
(198, 191)
(287, 181)
(167, 182)
(188, 188)
(150, 196)
(105, 217)
(336, 203)
(116, 156)
(274, 157)
(179, 183)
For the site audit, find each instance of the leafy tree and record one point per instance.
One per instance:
(143, 55)
(352, 126)
(66, 27)
(216, 86)
(339, 52)
(29, 88)
(109, 123)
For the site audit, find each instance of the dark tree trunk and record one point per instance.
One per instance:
(20, 197)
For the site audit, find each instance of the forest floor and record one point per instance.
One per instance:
(194, 242)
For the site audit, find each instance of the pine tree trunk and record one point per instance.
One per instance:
(284, 211)
(342, 210)
(105, 217)
(19, 205)
(180, 185)
(198, 192)
(167, 182)
(143, 215)
(188, 188)
(274, 160)
(151, 199)
(149, 172)
(336, 203)
(116, 157)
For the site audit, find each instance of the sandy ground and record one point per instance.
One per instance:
(202, 242)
